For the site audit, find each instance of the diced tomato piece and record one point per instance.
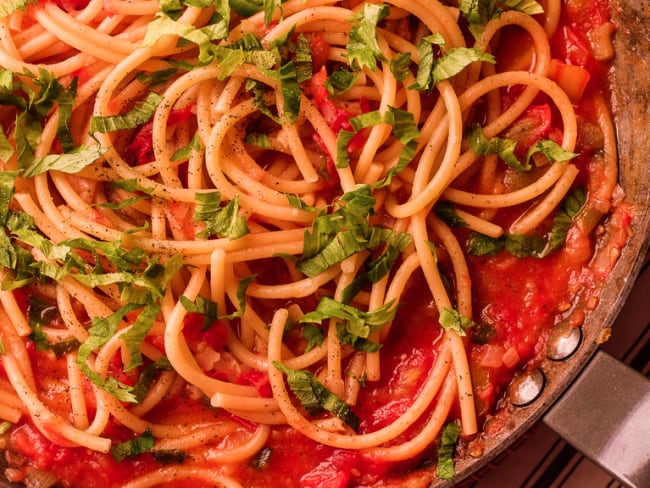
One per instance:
(333, 472)
(573, 47)
(195, 333)
(257, 379)
(72, 5)
(319, 48)
(572, 79)
(533, 125)
(181, 222)
(140, 150)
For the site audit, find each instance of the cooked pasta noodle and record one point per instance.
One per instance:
(218, 208)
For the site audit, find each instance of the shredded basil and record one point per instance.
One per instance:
(448, 440)
(451, 319)
(219, 221)
(133, 447)
(363, 49)
(313, 395)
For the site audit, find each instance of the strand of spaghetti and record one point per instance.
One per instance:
(457, 347)
(215, 147)
(179, 354)
(298, 19)
(264, 244)
(426, 437)
(353, 375)
(249, 404)
(437, 17)
(9, 396)
(6, 40)
(240, 452)
(11, 307)
(539, 186)
(398, 285)
(263, 418)
(128, 7)
(14, 345)
(197, 436)
(377, 299)
(334, 371)
(324, 131)
(235, 166)
(181, 473)
(480, 225)
(296, 289)
(603, 194)
(557, 95)
(459, 264)
(425, 190)
(78, 405)
(552, 12)
(81, 36)
(10, 414)
(533, 217)
(429, 389)
(387, 86)
(296, 146)
(47, 422)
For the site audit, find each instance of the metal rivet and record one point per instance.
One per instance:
(563, 341)
(526, 387)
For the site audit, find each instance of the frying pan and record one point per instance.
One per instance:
(555, 393)
(552, 382)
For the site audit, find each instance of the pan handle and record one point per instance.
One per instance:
(605, 414)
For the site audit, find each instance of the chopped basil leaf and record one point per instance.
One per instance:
(66, 101)
(313, 395)
(288, 77)
(552, 150)
(340, 81)
(185, 152)
(363, 48)
(8, 7)
(504, 148)
(314, 336)
(479, 12)
(246, 8)
(523, 245)
(451, 319)
(203, 306)
(303, 59)
(132, 119)
(135, 336)
(131, 186)
(7, 186)
(431, 70)
(4, 426)
(6, 149)
(357, 324)
(297, 202)
(148, 375)
(156, 78)
(71, 162)
(448, 440)
(100, 332)
(270, 7)
(404, 129)
(133, 447)
(247, 49)
(258, 140)
(400, 66)
(446, 211)
(220, 221)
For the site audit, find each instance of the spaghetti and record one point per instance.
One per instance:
(224, 219)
